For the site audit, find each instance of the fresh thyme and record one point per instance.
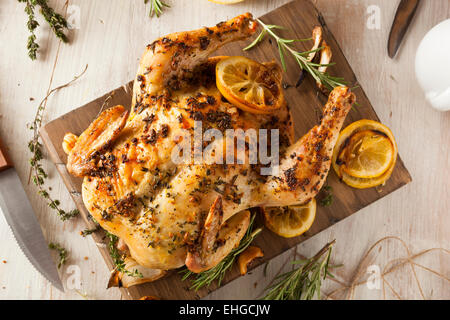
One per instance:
(56, 22)
(217, 273)
(304, 282)
(156, 7)
(118, 258)
(38, 174)
(301, 57)
(326, 196)
(61, 251)
(87, 232)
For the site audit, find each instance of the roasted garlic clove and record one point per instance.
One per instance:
(246, 257)
(317, 35)
(325, 59)
(69, 142)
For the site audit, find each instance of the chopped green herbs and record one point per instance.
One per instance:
(326, 196)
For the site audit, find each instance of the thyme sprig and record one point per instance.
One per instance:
(61, 251)
(301, 57)
(38, 174)
(217, 273)
(55, 20)
(326, 196)
(86, 232)
(156, 7)
(304, 282)
(118, 257)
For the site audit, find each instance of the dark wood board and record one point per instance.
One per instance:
(305, 102)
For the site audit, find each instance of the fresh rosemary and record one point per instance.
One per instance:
(304, 282)
(217, 273)
(61, 251)
(38, 174)
(156, 7)
(56, 22)
(301, 57)
(118, 258)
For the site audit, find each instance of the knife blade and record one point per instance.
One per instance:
(403, 17)
(23, 222)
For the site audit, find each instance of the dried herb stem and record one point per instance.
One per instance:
(38, 174)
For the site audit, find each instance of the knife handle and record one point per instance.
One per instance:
(5, 163)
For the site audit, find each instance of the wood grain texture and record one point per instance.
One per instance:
(306, 104)
(111, 35)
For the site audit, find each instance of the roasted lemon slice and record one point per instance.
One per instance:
(368, 154)
(290, 221)
(365, 154)
(364, 183)
(249, 85)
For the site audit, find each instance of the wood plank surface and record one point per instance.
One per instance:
(305, 103)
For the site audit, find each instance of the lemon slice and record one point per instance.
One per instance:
(364, 183)
(368, 154)
(290, 221)
(225, 1)
(249, 85)
(365, 154)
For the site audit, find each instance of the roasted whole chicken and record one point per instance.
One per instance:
(170, 214)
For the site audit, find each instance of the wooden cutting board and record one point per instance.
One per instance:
(305, 103)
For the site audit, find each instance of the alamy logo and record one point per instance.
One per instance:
(374, 19)
(73, 282)
(235, 146)
(374, 280)
(73, 17)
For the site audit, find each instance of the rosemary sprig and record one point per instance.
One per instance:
(304, 282)
(156, 7)
(38, 174)
(118, 258)
(301, 57)
(56, 22)
(61, 251)
(217, 273)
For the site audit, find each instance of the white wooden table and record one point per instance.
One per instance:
(111, 37)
